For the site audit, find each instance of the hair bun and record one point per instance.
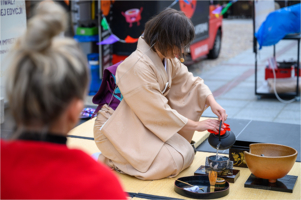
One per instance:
(50, 20)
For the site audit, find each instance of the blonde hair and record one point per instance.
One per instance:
(45, 73)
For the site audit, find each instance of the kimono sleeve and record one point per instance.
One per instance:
(188, 93)
(141, 91)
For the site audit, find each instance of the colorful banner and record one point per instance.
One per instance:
(226, 8)
(113, 38)
(104, 24)
(110, 40)
(129, 39)
(223, 9)
(218, 10)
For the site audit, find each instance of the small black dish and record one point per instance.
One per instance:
(202, 182)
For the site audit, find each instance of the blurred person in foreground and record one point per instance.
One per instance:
(46, 84)
(149, 134)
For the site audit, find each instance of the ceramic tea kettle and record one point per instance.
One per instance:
(225, 141)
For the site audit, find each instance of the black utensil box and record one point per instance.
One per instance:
(236, 153)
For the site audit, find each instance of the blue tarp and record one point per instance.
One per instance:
(278, 24)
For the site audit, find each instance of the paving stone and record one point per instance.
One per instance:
(266, 119)
(231, 111)
(226, 103)
(214, 85)
(289, 121)
(238, 96)
(289, 114)
(264, 104)
(235, 69)
(205, 72)
(257, 114)
(247, 59)
(242, 90)
(247, 84)
(293, 106)
(224, 76)
(251, 79)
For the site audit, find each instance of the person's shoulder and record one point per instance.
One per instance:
(95, 179)
(103, 183)
(135, 66)
(91, 166)
(175, 62)
(74, 168)
(177, 66)
(3, 143)
(31, 146)
(134, 61)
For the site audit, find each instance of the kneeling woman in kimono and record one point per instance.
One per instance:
(148, 136)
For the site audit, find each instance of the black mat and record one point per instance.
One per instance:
(259, 131)
(149, 196)
(285, 184)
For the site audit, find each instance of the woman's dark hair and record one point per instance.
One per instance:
(169, 30)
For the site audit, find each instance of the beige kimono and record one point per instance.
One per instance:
(141, 137)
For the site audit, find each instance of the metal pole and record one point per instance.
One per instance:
(256, 73)
(99, 36)
(254, 39)
(298, 66)
(255, 47)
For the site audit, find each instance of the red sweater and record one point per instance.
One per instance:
(43, 170)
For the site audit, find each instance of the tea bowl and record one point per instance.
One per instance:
(270, 161)
(219, 164)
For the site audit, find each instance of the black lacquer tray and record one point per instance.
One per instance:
(202, 182)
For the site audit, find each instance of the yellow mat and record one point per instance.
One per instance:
(85, 145)
(165, 187)
(85, 129)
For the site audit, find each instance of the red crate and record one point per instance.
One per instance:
(299, 72)
(280, 73)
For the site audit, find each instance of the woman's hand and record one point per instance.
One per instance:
(217, 109)
(209, 124)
